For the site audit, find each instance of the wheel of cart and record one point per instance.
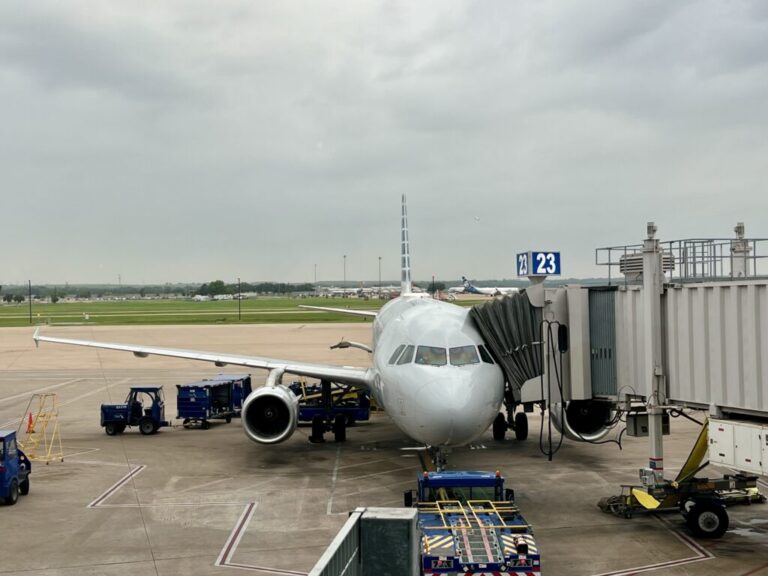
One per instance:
(706, 517)
(205, 424)
(147, 426)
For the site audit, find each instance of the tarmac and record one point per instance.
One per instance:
(211, 502)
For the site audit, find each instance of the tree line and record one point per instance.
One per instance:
(219, 287)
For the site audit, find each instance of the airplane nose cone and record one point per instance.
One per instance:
(457, 409)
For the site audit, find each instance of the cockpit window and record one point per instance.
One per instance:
(431, 356)
(396, 354)
(464, 355)
(485, 355)
(406, 356)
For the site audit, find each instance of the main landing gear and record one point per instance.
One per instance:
(320, 426)
(519, 424)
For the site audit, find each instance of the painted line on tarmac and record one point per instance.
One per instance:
(334, 476)
(116, 486)
(233, 541)
(38, 390)
(701, 554)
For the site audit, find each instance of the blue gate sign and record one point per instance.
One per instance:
(538, 264)
(522, 264)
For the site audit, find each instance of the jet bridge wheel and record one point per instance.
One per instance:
(340, 428)
(499, 427)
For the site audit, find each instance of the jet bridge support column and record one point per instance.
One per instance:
(653, 287)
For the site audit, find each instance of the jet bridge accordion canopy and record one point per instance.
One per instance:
(510, 327)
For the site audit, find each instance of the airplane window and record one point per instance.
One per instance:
(407, 356)
(431, 355)
(396, 354)
(485, 355)
(464, 355)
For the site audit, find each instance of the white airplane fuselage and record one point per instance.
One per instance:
(440, 406)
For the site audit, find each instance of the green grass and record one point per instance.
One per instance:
(254, 311)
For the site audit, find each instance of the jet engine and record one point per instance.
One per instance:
(270, 414)
(586, 420)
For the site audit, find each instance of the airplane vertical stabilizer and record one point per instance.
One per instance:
(405, 254)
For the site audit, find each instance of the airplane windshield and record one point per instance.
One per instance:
(463, 355)
(431, 356)
(485, 355)
(407, 356)
(394, 357)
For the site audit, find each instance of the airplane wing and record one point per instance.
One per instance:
(366, 313)
(341, 374)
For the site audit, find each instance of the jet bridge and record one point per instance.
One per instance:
(680, 323)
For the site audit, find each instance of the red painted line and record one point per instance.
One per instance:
(756, 570)
(115, 487)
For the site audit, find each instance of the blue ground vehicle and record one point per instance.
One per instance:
(144, 407)
(241, 388)
(331, 407)
(470, 525)
(205, 401)
(14, 468)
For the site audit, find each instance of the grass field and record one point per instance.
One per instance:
(254, 311)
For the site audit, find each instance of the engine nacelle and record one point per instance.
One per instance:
(585, 420)
(270, 414)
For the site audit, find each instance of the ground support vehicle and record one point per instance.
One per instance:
(701, 501)
(144, 407)
(15, 468)
(201, 402)
(241, 389)
(470, 525)
(331, 408)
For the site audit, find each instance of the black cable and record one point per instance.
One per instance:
(675, 412)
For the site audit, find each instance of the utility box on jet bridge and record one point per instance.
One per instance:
(739, 445)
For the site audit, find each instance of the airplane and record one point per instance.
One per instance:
(468, 288)
(431, 371)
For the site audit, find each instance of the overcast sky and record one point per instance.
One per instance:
(188, 141)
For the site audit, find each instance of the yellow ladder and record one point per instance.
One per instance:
(40, 439)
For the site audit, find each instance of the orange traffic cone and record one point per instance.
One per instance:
(30, 427)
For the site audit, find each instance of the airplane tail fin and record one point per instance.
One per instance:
(405, 254)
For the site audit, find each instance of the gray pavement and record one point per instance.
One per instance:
(210, 502)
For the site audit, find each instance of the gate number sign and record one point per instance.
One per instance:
(538, 264)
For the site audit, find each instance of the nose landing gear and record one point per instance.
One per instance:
(519, 424)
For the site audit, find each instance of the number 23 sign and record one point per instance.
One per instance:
(538, 264)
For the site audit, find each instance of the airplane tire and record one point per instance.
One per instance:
(24, 487)
(707, 519)
(340, 428)
(521, 426)
(146, 426)
(499, 427)
(318, 429)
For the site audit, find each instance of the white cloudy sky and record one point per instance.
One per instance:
(186, 141)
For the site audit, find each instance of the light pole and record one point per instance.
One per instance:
(239, 299)
(379, 277)
(345, 271)
(315, 276)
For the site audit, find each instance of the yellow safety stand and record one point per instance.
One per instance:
(39, 433)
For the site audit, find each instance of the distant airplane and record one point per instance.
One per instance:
(431, 371)
(468, 288)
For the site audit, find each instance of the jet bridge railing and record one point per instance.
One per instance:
(691, 260)
(342, 557)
